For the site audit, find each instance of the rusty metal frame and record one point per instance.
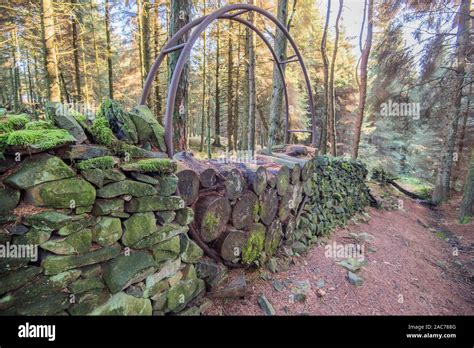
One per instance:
(201, 24)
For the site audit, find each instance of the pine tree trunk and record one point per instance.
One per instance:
(180, 15)
(363, 80)
(230, 97)
(96, 51)
(324, 123)
(203, 99)
(467, 203)
(252, 90)
(276, 105)
(49, 46)
(109, 49)
(75, 49)
(237, 91)
(156, 34)
(443, 180)
(217, 116)
(246, 95)
(332, 135)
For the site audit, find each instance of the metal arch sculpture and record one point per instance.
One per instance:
(202, 23)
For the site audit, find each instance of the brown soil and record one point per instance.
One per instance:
(420, 266)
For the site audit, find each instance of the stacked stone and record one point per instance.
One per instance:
(279, 206)
(111, 234)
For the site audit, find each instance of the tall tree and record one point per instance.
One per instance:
(75, 51)
(217, 112)
(277, 90)
(156, 43)
(109, 49)
(49, 47)
(180, 16)
(203, 95)
(251, 82)
(324, 118)
(443, 180)
(363, 80)
(467, 204)
(230, 92)
(331, 125)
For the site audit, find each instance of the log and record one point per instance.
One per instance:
(234, 183)
(257, 179)
(268, 206)
(188, 185)
(254, 243)
(295, 174)
(212, 212)
(286, 204)
(207, 175)
(230, 244)
(245, 210)
(273, 237)
(296, 150)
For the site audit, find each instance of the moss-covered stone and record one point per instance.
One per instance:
(66, 193)
(147, 126)
(154, 203)
(34, 236)
(50, 219)
(184, 216)
(118, 120)
(76, 243)
(167, 185)
(105, 162)
(36, 140)
(151, 165)
(65, 120)
(190, 251)
(123, 304)
(83, 285)
(126, 187)
(88, 301)
(165, 217)
(254, 245)
(83, 152)
(147, 179)
(9, 199)
(38, 170)
(76, 226)
(163, 233)
(137, 227)
(94, 176)
(182, 293)
(58, 264)
(167, 250)
(165, 270)
(107, 206)
(18, 278)
(107, 231)
(126, 270)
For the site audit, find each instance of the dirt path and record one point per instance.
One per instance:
(411, 270)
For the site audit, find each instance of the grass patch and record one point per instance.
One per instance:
(38, 125)
(418, 186)
(105, 162)
(13, 122)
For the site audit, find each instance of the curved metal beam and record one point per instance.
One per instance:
(202, 24)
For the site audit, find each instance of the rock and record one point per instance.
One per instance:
(148, 128)
(237, 288)
(167, 185)
(76, 226)
(272, 265)
(38, 170)
(9, 199)
(144, 178)
(35, 236)
(94, 176)
(320, 293)
(351, 264)
(163, 233)
(113, 175)
(278, 286)
(123, 304)
(167, 250)
(9, 264)
(17, 230)
(165, 217)
(265, 305)
(154, 203)
(107, 206)
(107, 231)
(212, 272)
(49, 219)
(298, 247)
(166, 270)
(299, 297)
(155, 291)
(83, 285)
(320, 284)
(179, 295)
(184, 216)
(76, 243)
(89, 301)
(190, 251)
(137, 227)
(65, 120)
(83, 152)
(354, 279)
(58, 264)
(124, 270)
(91, 271)
(66, 193)
(84, 210)
(18, 278)
(126, 187)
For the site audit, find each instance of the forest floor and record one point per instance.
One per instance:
(420, 263)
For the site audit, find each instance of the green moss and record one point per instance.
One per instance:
(43, 139)
(101, 132)
(13, 122)
(256, 211)
(160, 165)
(254, 246)
(38, 125)
(210, 222)
(466, 220)
(105, 162)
